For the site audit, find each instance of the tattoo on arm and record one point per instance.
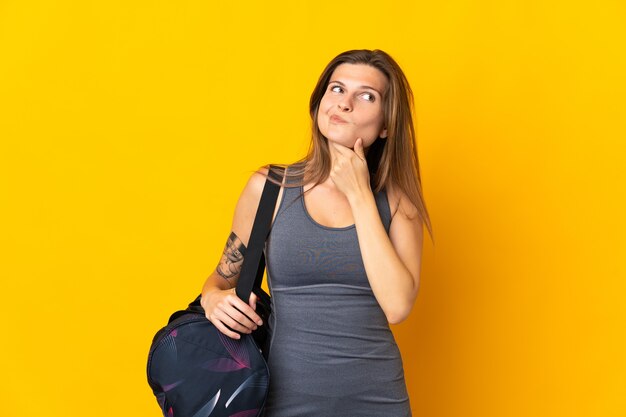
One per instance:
(232, 258)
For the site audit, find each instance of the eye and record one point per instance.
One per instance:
(368, 97)
(336, 89)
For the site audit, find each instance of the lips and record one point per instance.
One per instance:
(338, 120)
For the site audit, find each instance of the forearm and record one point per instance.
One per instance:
(227, 271)
(393, 285)
(215, 282)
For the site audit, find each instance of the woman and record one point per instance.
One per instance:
(344, 252)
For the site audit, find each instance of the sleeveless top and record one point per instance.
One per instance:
(331, 350)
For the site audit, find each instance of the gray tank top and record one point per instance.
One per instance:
(331, 352)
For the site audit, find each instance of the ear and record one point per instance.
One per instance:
(383, 134)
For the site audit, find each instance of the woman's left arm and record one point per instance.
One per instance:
(392, 262)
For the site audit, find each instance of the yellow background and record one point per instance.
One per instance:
(128, 130)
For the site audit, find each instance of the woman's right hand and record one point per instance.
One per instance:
(229, 314)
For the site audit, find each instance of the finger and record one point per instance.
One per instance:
(241, 318)
(218, 324)
(252, 300)
(358, 148)
(245, 310)
(231, 322)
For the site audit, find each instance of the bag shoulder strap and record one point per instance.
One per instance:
(253, 266)
(251, 275)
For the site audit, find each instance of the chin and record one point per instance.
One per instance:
(342, 141)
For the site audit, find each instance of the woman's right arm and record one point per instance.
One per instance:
(228, 313)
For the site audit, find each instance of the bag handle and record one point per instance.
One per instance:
(254, 259)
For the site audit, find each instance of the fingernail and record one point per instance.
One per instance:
(260, 322)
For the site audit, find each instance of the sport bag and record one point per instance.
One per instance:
(195, 370)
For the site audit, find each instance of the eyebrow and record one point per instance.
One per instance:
(361, 86)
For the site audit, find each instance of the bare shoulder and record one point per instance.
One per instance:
(400, 204)
(247, 205)
(254, 186)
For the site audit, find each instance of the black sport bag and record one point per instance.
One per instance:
(194, 369)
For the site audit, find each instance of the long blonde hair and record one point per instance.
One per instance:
(392, 161)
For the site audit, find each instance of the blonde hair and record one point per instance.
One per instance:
(392, 161)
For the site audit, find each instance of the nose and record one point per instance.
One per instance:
(343, 105)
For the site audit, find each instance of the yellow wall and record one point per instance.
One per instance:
(128, 130)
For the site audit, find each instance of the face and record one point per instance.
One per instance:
(352, 106)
